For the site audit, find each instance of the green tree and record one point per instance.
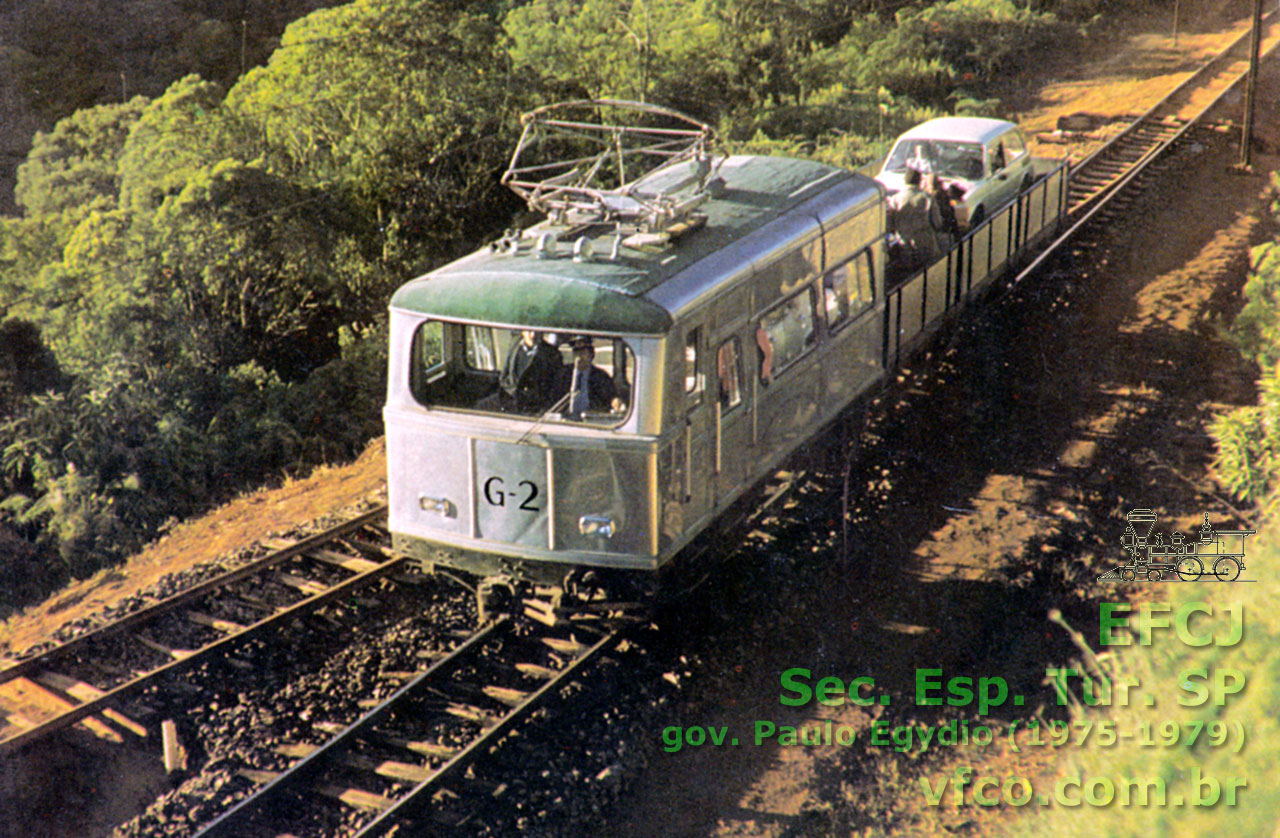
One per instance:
(71, 172)
(928, 53)
(251, 266)
(407, 106)
(176, 135)
(74, 166)
(26, 365)
(697, 56)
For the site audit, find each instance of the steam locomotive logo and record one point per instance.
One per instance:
(1219, 554)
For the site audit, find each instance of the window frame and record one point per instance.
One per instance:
(455, 361)
(695, 386)
(811, 340)
(727, 407)
(869, 264)
(421, 376)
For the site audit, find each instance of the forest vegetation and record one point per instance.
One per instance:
(193, 291)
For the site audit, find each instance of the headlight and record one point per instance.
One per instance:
(597, 525)
(441, 506)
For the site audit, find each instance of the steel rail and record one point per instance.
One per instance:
(222, 644)
(1187, 84)
(233, 821)
(144, 615)
(303, 769)
(1096, 202)
(419, 793)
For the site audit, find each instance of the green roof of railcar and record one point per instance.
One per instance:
(605, 295)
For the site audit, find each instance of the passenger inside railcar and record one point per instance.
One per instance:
(523, 372)
(587, 387)
(729, 372)
(532, 371)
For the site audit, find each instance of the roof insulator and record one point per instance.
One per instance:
(546, 246)
(582, 249)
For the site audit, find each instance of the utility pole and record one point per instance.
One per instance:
(244, 37)
(1250, 90)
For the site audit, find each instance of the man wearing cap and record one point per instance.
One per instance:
(590, 388)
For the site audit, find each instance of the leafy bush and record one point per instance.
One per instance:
(1256, 330)
(92, 471)
(927, 53)
(1248, 438)
(1161, 669)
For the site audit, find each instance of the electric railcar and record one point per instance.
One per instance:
(735, 306)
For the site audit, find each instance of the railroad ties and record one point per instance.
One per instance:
(1106, 182)
(410, 758)
(1153, 133)
(86, 681)
(1110, 167)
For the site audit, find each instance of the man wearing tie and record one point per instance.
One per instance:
(590, 388)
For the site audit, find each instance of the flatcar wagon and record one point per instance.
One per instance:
(593, 391)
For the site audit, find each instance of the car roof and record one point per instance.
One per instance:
(623, 294)
(966, 128)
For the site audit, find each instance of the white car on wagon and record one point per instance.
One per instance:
(987, 158)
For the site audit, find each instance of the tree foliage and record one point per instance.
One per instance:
(1248, 438)
(74, 166)
(195, 290)
(250, 264)
(176, 135)
(929, 53)
(73, 54)
(406, 106)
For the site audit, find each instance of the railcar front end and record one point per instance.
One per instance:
(531, 491)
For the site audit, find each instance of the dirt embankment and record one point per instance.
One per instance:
(994, 491)
(234, 525)
(988, 496)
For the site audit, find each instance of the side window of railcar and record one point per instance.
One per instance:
(481, 353)
(693, 379)
(785, 333)
(428, 354)
(729, 373)
(847, 290)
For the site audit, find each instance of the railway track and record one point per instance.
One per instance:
(90, 676)
(1104, 181)
(389, 765)
(384, 770)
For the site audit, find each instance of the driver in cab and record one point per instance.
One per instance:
(590, 388)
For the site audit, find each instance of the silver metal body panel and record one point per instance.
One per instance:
(522, 499)
(631, 497)
(713, 275)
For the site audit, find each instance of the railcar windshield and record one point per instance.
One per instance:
(555, 376)
(947, 158)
